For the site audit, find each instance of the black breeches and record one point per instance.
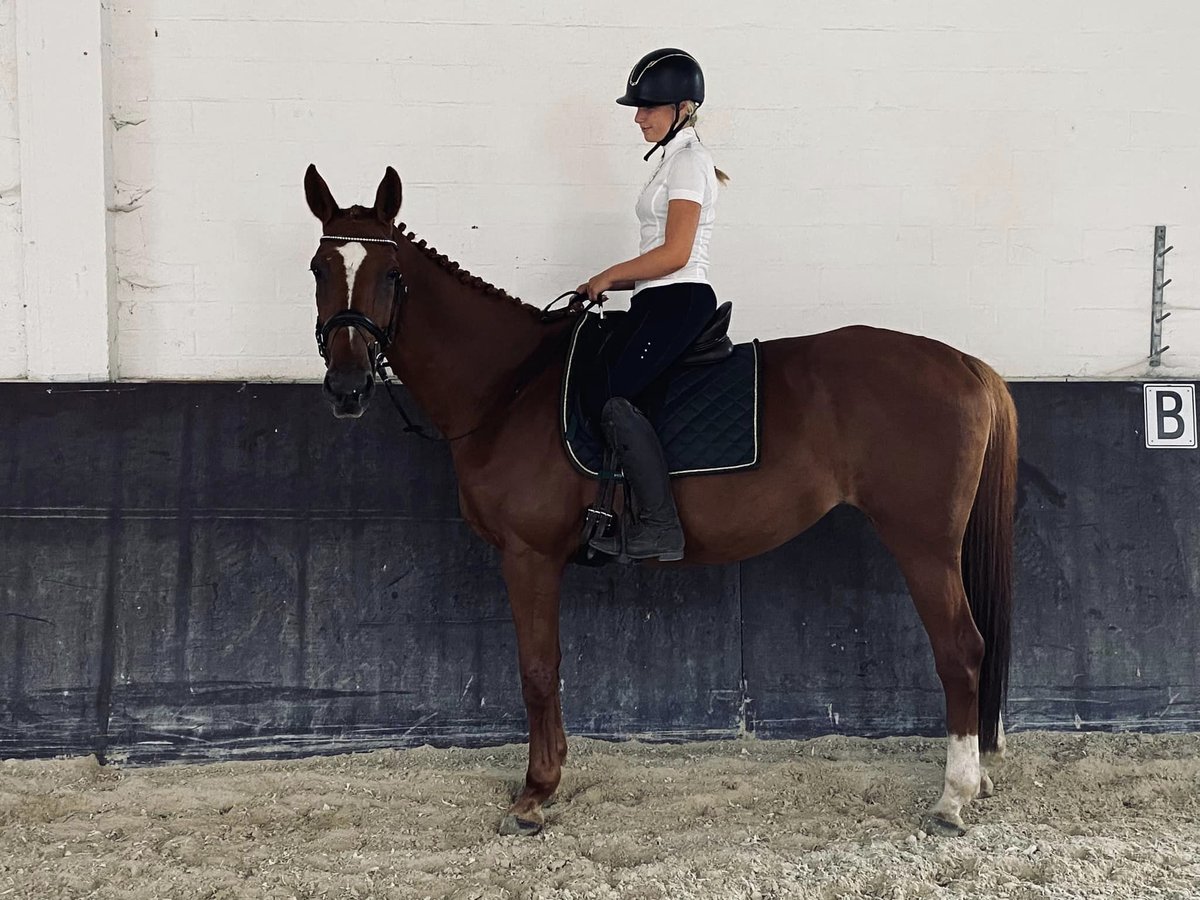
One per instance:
(661, 324)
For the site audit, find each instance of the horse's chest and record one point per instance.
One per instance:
(473, 514)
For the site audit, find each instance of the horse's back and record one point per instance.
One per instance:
(861, 361)
(876, 403)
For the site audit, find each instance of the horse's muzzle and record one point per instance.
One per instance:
(348, 393)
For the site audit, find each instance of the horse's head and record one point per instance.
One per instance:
(359, 289)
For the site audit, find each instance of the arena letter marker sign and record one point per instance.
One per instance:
(1170, 415)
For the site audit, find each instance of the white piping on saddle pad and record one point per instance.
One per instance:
(564, 414)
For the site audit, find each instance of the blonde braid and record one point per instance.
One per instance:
(690, 118)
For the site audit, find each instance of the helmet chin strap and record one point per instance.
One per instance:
(675, 129)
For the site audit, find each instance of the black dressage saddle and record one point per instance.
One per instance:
(707, 416)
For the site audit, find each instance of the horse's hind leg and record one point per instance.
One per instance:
(935, 582)
(986, 788)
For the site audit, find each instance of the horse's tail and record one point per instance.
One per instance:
(987, 558)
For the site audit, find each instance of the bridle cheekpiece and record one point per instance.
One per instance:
(352, 318)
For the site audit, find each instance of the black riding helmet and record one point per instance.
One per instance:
(664, 76)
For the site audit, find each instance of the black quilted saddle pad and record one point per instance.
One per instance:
(709, 422)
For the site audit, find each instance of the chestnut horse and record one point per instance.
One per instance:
(919, 436)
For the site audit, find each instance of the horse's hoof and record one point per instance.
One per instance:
(938, 826)
(515, 825)
(986, 788)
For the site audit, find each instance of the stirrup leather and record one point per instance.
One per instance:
(600, 522)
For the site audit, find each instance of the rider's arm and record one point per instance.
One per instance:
(683, 218)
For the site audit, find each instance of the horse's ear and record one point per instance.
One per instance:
(316, 191)
(387, 198)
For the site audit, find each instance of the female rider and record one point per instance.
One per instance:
(672, 298)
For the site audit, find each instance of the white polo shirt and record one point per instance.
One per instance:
(685, 173)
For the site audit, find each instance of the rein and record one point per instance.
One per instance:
(376, 352)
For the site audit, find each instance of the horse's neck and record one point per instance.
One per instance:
(461, 350)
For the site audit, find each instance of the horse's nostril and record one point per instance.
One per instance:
(348, 385)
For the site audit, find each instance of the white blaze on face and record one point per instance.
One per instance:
(352, 256)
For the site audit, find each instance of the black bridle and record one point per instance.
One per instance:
(377, 351)
(352, 318)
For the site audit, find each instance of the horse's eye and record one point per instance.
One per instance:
(393, 274)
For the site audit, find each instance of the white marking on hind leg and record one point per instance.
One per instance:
(963, 778)
(986, 787)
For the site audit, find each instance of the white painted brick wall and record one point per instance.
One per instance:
(13, 361)
(987, 174)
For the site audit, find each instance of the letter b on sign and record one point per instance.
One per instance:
(1170, 415)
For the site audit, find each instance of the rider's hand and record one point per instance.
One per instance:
(595, 287)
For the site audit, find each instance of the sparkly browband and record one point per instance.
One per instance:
(361, 240)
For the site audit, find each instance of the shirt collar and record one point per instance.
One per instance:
(685, 138)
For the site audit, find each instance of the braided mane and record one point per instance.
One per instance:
(444, 262)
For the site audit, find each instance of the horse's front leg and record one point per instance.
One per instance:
(534, 583)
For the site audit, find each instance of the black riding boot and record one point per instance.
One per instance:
(653, 530)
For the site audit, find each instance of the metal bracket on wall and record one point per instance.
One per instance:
(1156, 296)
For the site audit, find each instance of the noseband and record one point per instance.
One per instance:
(352, 318)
